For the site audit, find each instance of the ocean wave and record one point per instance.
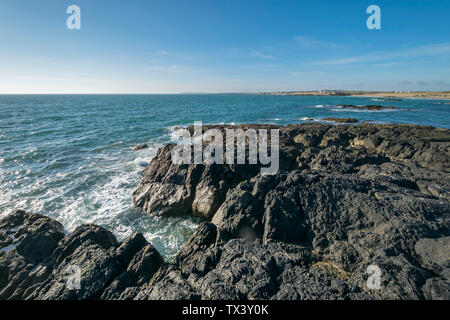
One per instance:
(141, 162)
(309, 119)
(175, 132)
(108, 146)
(271, 119)
(108, 204)
(97, 190)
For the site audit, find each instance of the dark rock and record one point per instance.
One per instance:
(436, 289)
(341, 120)
(126, 251)
(140, 147)
(196, 256)
(354, 195)
(370, 107)
(435, 255)
(96, 234)
(39, 261)
(95, 268)
(167, 284)
(145, 264)
(28, 243)
(117, 288)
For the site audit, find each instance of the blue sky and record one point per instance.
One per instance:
(171, 46)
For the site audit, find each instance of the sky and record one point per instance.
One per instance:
(178, 46)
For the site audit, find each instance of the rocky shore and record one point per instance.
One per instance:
(346, 197)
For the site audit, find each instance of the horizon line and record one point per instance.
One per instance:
(224, 92)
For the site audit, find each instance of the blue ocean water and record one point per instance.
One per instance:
(70, 157)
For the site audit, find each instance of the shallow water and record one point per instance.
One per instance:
(69, 156)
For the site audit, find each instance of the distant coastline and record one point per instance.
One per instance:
(432, 95)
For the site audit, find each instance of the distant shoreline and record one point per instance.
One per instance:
(441, 95)
(385, 95)
(409, 95)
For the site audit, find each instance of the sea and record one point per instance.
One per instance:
(70, 156)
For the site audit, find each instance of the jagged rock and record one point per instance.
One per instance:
(145, 264)
(436, 289)
(194, 257)
(28, 243)
(96, 270)
(435, 255)
(370, 107)
(167, 284)
(140, 147)
(126, 251)
(96, 234)
(346, 199)
(341, 120)
(320, 283)
(39, 260)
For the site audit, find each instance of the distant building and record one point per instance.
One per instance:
(334, 92)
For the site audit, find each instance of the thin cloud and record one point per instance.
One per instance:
(428, 50)
(259, 54)
(260, 66)
(388, 64)
(297, 74)
(308, 42)
(39, 78)
(164, 53)
(173, 68)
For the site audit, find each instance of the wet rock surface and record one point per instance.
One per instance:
(369, 107)
(342, 120)
(347, 199)
(140, 147)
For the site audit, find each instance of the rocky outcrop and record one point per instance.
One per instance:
(348, 204)
(168, 189)
(39, 262)
(346, 197)
(370, 107)
(140, 147)
(341, 120)
(26, 244)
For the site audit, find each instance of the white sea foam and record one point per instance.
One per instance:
(99, 192)
(175, 132)
(318, 120)
(108, 203)
(141, 162)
